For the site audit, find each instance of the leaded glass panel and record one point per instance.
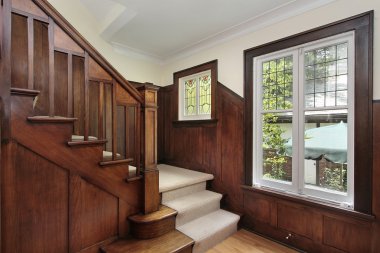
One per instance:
(277, 83)
(190, 97)
(205, 94)
(326, 69)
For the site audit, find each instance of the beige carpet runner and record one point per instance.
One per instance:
(199, 214)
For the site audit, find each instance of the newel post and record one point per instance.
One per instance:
(149, 147)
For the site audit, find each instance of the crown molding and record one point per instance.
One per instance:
(136, 53)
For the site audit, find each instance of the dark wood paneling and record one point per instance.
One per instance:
(5, 67)
(98, 215)
(97, 72)
(108, 116)
(258, 207)
(63, 41)
(41, 68)
(120, 134)
(78, 94)
(294, 219)
(41, 204)
(19, 51)
(346, 235)
(28, 6)
(93, 90)
(61, 84)
(376, 175)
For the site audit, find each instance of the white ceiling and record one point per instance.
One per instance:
(164, 29)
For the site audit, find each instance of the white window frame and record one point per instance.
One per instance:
(181, 97)
(297, 185)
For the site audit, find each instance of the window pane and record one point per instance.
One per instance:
(277, 85)
(277, 150)
(342, 67)
(325, 152)
(205, 94)
(329, 74)
(341, 98)
(190, 97)
(342, 51)
(330, 85)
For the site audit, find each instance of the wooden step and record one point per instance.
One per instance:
(115, 162)
(24, 92)
(172, 242)
(154, 224)
(86, 143)
(48, 119)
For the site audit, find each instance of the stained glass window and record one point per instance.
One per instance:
(190, 97)
(197, 95)
(205, 94)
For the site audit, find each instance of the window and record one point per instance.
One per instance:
(195, 96)
(315, 83)
(196, 89)
(305, 107)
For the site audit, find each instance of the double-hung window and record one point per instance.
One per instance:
(303, 113)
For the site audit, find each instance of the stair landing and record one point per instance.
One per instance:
(172, 178)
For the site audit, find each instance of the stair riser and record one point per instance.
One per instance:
(209, 242)
(153, 229)
(197, 212)
(174, 194)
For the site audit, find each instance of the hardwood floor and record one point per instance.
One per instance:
(247, 242)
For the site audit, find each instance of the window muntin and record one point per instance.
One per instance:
(321, 96)
(195, 96)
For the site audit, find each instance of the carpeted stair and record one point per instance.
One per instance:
(199, 214)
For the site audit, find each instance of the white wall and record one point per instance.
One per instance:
(230, 54)
(84, 22)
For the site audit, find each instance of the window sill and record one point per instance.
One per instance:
(309, 202)
(195, 123)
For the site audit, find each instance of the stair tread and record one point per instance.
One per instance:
(162, 213)
(172, 177)
(208, 225)
(193, 201)
(86, 143)
(49, 119)
(173, 241)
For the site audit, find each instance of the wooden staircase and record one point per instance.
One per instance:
(59, 193)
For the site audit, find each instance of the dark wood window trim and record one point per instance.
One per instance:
(213, 66)
(363, 26)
